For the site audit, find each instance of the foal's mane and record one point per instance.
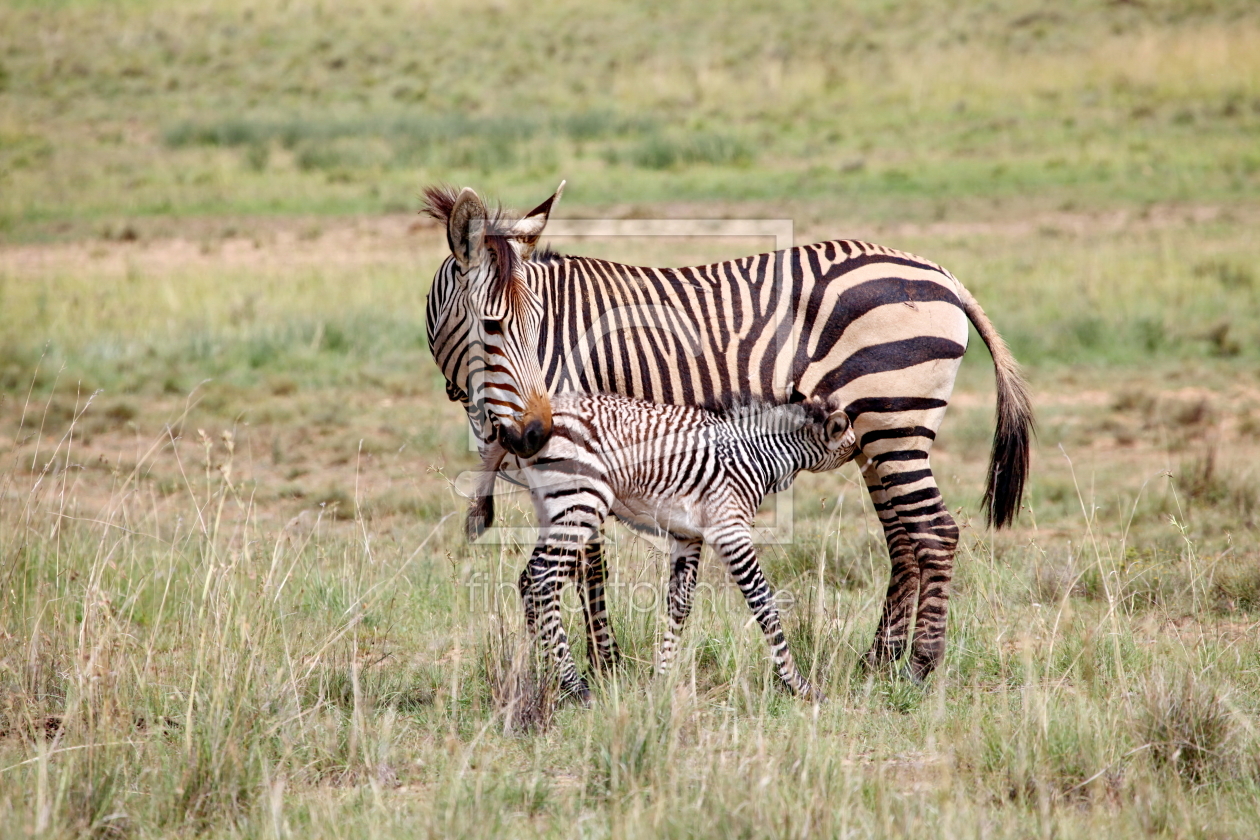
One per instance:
(733, 406)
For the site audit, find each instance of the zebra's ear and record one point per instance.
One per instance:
(466, 229)
(529, 229)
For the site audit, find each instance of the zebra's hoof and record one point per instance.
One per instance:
(879, 658)
(911, 674)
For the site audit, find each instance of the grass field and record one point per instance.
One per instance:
(236, 600)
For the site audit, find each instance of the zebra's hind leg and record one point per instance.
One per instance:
(685, 563)
(735, 545)
(601, 644)
(893, 632)
(936, 541)
(924, 521)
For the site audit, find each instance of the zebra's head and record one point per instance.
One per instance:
(505, 391)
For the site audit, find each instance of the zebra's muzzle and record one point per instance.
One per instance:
(525, 441)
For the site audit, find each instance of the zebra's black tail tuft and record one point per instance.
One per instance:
(1012, 446)
(1012, 439)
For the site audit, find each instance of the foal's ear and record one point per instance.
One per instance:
(529, 229)
(466, 229)
(839, 430)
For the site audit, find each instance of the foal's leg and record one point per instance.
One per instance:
(735, 545)
(527, 597)
(553, 562)
(684, 563)
(601, 644)
(571, 509)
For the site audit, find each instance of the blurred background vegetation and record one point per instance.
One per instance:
(141, 108)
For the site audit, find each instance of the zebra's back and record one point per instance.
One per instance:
(801, 320)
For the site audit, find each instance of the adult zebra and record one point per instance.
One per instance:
(876, 332)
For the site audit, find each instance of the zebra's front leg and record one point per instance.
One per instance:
(601, 644)
(893, 632)
(549, 566)
(684, 565)
(735, 545)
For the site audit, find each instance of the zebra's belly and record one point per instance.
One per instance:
(674, 515)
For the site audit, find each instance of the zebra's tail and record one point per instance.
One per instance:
(481, 508)
(1009, 459)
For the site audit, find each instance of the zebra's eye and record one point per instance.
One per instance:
(492, 326)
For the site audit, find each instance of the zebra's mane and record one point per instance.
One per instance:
(439, 202)
(546, 254)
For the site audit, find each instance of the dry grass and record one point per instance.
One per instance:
(252, 612)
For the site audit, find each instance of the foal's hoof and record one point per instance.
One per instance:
(810, 694)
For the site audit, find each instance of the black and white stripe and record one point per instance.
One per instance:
(693, 474)
(877, 332)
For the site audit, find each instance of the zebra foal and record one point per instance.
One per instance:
(694, 474)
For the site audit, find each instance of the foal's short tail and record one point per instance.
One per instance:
(1008, 461)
